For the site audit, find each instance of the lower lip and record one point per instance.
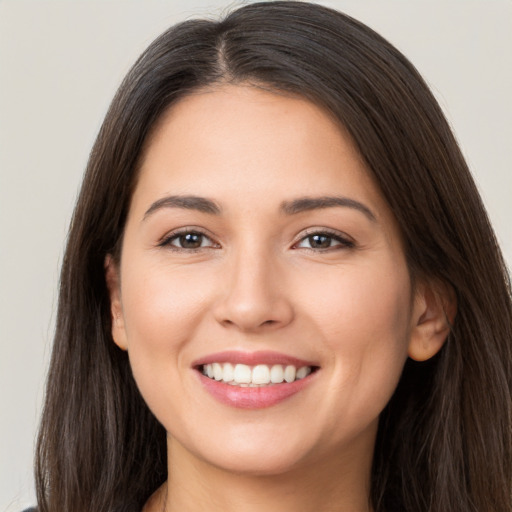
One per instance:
(255, 397)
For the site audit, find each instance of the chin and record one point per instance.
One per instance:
(257, 463)
(251, 455)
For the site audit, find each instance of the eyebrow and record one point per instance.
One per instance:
(305, 204)
(302, 204)
(200, 204)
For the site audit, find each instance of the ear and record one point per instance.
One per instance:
(114, 288)
(434, 310)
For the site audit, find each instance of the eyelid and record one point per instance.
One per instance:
(165, 241)
(345, 240)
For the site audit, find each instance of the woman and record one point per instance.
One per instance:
(280, 289)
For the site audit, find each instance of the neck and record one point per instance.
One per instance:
(331, 484)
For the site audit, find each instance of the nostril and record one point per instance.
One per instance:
(252, 312)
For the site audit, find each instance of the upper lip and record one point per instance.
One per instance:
(252, 358)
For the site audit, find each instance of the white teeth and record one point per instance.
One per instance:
(243, 374)
(302, 372)
(289, 373)
(217, 371)
(228, 373)
(276, 374)
(259, 375)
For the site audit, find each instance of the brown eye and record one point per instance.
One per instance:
(190, 240)
(323, 241)
(187, 240)
(320, 241)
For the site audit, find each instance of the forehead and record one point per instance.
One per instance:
(244, 145)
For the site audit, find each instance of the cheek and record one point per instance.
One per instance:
(364, 305)
(161, 310)
(364, 319)
(161, 305)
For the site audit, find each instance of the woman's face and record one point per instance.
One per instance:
(257, 248)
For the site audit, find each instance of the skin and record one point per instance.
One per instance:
(259, 283)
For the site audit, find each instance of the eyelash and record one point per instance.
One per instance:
(343, 241)
(175, 235)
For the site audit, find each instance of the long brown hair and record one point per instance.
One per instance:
(444, 441)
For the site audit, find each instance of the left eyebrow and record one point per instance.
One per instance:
(201, 204)
(304, 204)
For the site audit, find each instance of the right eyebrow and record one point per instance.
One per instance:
(201, 204)
(304, 204)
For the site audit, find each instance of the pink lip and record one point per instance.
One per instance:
(252, 358)
(253, 398)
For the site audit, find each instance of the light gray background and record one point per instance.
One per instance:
(60, 63)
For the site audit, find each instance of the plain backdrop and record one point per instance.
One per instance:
(60, 63)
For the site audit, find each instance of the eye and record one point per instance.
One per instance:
(187, 240)
(323, 241)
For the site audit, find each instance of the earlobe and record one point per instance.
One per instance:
(434, 312)
(114, 289)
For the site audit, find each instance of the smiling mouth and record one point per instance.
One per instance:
(254, 380)
(260, 375)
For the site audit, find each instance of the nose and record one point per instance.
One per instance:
(254, 297)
